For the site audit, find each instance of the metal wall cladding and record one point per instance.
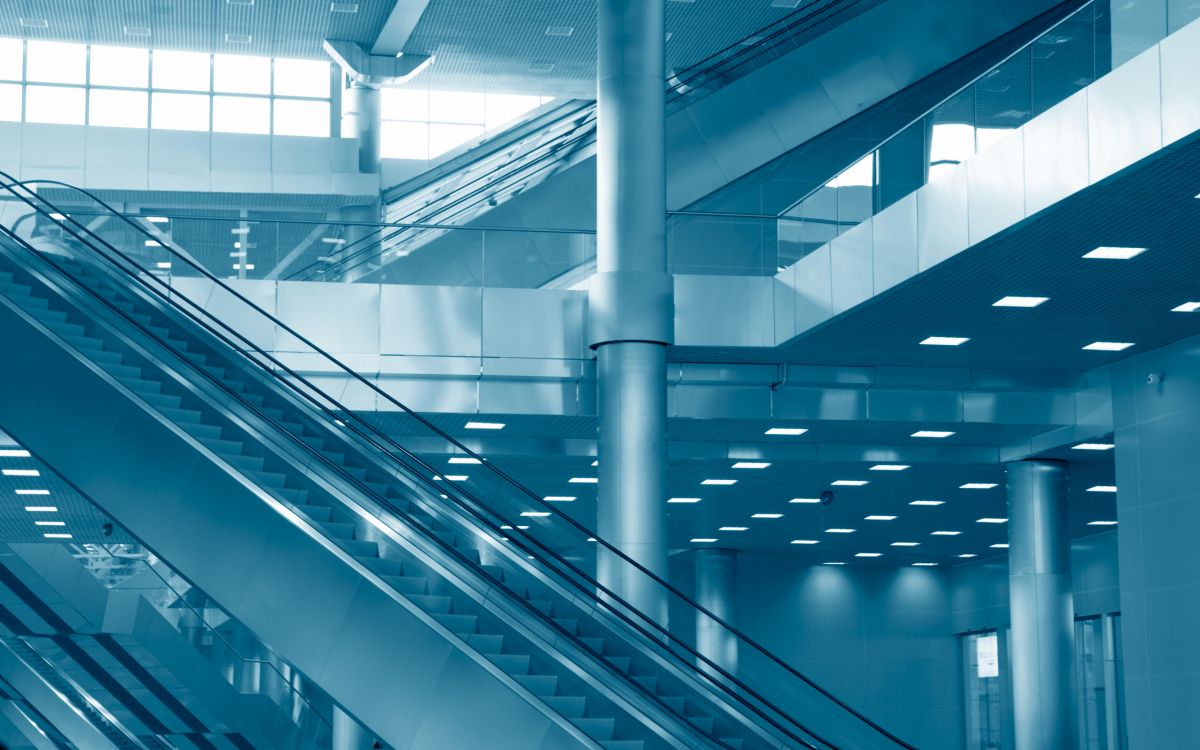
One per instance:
(1180, 104)
(1124, 116)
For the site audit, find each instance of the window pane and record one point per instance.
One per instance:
(187, 71)
(241, 114)
(11, 59)
(118, 109)
(504, 108)
(405, 104)
(10, 102)
(179, 111)
(443, 138)
(120, 66)
(405, 140)
(302, 78)
(56, 62)
(54, 104)
(242, 75)
(455, 106)
(299, 117)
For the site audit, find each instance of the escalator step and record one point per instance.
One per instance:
(269, 479)
(620, 662)
(217, 445)
(203, 432)
(495, 571)
(61, 328)
(623, 745)
(596, 645)
(49, 316)
(597, 728)
(318, 513)
(432, 603)
(704, 723)
(486, 643)
(338, 530)
(244, 463)
(568, 624)
(120, 371)
(541, 605)
(462, 625)
(673, 702)
(29, 302)
(382, 566)
(541, 685)
(295, 497)
(649, 684)
(182, 416)
(137, 385)
(161, 400)
(409, 585)
(359, 548)
(569, 706)
(511, 664)
(733, 743)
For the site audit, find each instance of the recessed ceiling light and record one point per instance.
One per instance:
(157, 219)
(1093, 447)
(40, 509)
(1102, 523)
(49, 523)
(868, 554)
(534, 513)
(839, 531)
(999, 546)
(343, 7)
(751, 465)
(1020, 301)
(991, 520)
(453, 478)
(734, 528)
(906, 544)
(924, 565)
(164, 265)
(1115, 253)
(945, 341)
(786, 431)
(889, 467)
(1187, 307)
(703, 540)
(559, 498)
(35, 23)
(928, 502)
(57, 536)
(767, 515)
(1103, 488)
(968, 555)
(464, 460)
(560, 30)
(946, 533)
(804, 541)
(932, 434)
(583, 480)
(22, 473)
(684, 500)
(880, 518)
(833, 563)
(485, 425)
(14, 453)
(1107, 346)
(850, 482)
(805, 500)
(978, 486)
(720, 482)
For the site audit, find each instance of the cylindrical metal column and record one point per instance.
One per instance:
(631, 315)
(362, 118)
(716, 575)
(1041, 606)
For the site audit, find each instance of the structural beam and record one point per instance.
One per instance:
(399, 27)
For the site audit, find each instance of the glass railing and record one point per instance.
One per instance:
(1074, 53)
(547, 538)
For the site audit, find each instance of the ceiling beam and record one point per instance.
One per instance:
(399, 27)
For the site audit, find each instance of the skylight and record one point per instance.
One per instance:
(1115, 253)
(925, 565)
(968, 555)
(40, 509)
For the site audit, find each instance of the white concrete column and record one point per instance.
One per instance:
(716, 588)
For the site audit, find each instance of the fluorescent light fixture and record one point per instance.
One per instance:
(932, 434)
(703, 540)
(767, 515)
(243, 266)
(906, 544)
(786, 431)
(157, 219)
(33, 492)
(850, 482)
(839, 531)
(683, 500)
(457, 477)
(991, 520)
(1187, 307)
(1107, 346)
(49, 523)
(880, 518)
(14, 453)
(485, 425)
(999, 546)
(240, 230)
(928, 502)
(1102, 523)
(734, 528)
(40, 509)
(22, 473)
(890, 467)
(805, 500)
(868, 554)
(1115, 253)
(833, 563)
(924, 565)
(945, 341)
(464, 460)
(1103, 488)
(559, 499)
(583, 480)
(751, 465)
(1093, 447)
(720, 482)
(805, 541)
(152, 243)
(968, 555)
(946, 533)
(164, 265)
(57, 536)
(333, 240)
(978, 486)
(58, 217)
(1020, 301)
(534, 514)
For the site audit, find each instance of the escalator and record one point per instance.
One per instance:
(413, 596)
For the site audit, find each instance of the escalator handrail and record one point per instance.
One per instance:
(499, 473)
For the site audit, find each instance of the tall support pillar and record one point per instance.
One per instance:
(1041, 605)
(716, 576)
(362, 119)
(631, 309)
